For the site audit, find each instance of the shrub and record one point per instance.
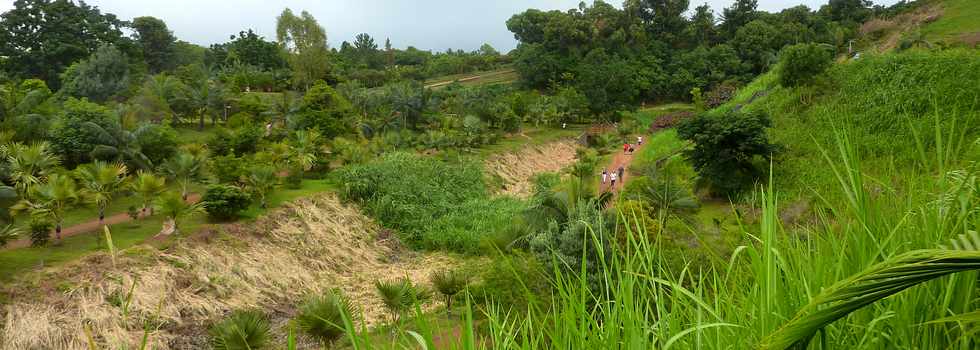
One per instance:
(228, 168)
(449, 283)
(40, 232)
(799, 64)
(400, 296)
(322, 317)
(471, 226)
(8, 233)
(246, 330)
(517, 281)
(224, 202)
(726, 147)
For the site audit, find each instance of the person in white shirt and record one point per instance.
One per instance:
(605, 175)
(613, 178)
(639, 140)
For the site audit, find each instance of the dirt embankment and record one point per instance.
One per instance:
(308, 247)
(518, 168)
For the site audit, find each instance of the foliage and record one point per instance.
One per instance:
(799, 64)
(184, 169)
(83, 126)
(147, 187)
(224, 202)
(322, 316)
(449, 283)
(156, 41)
(305, 42)
(325, 110)
(50, 200)
(401, 296)
(726, 147)
(173, 206)
(99, 77)
(261, 181)
(40, 231)
(473, 226)
(519, 281)
(228, 168)
(100, 181)
(8, 233)
(249, 49)
(408, 192)
(29, 165)
(241, 330)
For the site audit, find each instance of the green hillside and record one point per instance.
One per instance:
(960, 21)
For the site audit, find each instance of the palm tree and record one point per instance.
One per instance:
(8, 233)
(174, 207)
(284, 108)
(305, 148)
(449, 283)
(400, 296)
(100, 181)
(184, 169)
(29, 165)
(50, 200)
(148, 186)
(261, 181)
(670, 196)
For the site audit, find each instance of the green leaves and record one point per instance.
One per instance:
(877, 282)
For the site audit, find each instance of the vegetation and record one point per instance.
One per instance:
(322, 316)
(241, 330)
(224, 202)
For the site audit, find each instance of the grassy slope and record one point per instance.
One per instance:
(504, 75)
(959, 17)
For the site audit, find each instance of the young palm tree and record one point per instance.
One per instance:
(148, 186)
(29, 165)
(449, 283)
(305, 148)
(8, 233)
(174, 207)
(261, 181)
(184, 169)
(283, 108)
(100, 181)
(50, 200)
(400, 296)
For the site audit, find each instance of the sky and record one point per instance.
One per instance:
(425, 24)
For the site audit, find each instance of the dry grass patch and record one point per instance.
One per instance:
(517, 169)
(308, 247)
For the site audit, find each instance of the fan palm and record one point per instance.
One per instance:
(100, 181)
(184, 169)
(147, 187)
(322, 316)
(305, 148)
(175, 208)
(8, 233)
(261, 181)
(669, 196)
(400, 296)
(29, 165)
(50, 200)
(242, 330)
(449, 283)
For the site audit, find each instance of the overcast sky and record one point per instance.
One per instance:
(426, 24)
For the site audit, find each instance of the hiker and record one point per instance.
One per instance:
(639, 140)
(605, 175)
(621, 172)
(612, 177)
(626, 147)
(563, 125)
(631, 148)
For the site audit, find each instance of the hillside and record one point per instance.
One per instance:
(925, 23)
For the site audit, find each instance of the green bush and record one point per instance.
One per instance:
(40, 232)
(242, 330)
(224, 202)
(322, 317)
(472, 226)
(726, 148)
(517, 281)
(228, 168)
(408, 192)
(800, 64)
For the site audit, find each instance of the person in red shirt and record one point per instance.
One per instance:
(626, 147)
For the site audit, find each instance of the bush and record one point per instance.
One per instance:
(322, 317)
(228, 168)
(40, 232)
(245, 330)
(799, 64)
(472, 226)
(517, 281)
(449, 283)
(408, 192)
(224, 202)
(726, 147)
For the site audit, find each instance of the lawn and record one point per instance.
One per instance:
(959, 17)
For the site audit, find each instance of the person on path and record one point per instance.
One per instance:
(605, 175)
(626, 147)
(639, 140)
(631, 148)
(621, 171)
(612, 177)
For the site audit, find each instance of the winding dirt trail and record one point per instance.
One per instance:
(620, 160)
(90, 226)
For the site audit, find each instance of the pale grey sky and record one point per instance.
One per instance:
(426, 24)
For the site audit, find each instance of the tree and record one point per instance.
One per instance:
(801, 63)
(156, 41)
(39, 38)
(756, 43)
(305, 148)
(262, 180)
(84, 126)
(224, 202)
(702, 25)
(325, 110)
(739, 14)
(250, 49)
(366, 50)
(173, 206)
(100, 181)
(50, 199)
(156, 142)
(29, 165)
(725, 148)
(449, 283)
(101, 76)
(305, 42)
(666, 17)
(28, 97)
(147, 187)
(184, 169)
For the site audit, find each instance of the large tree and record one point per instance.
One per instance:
(250, 49)
(156, 41)
(40, 38)
(99, 77)
(306, 42)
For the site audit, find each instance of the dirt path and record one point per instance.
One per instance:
(620, 160)
(90, 226)
(475, 77)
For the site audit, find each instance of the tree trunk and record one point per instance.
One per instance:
(200, 125)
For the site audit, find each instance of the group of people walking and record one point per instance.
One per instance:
(620, 173)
